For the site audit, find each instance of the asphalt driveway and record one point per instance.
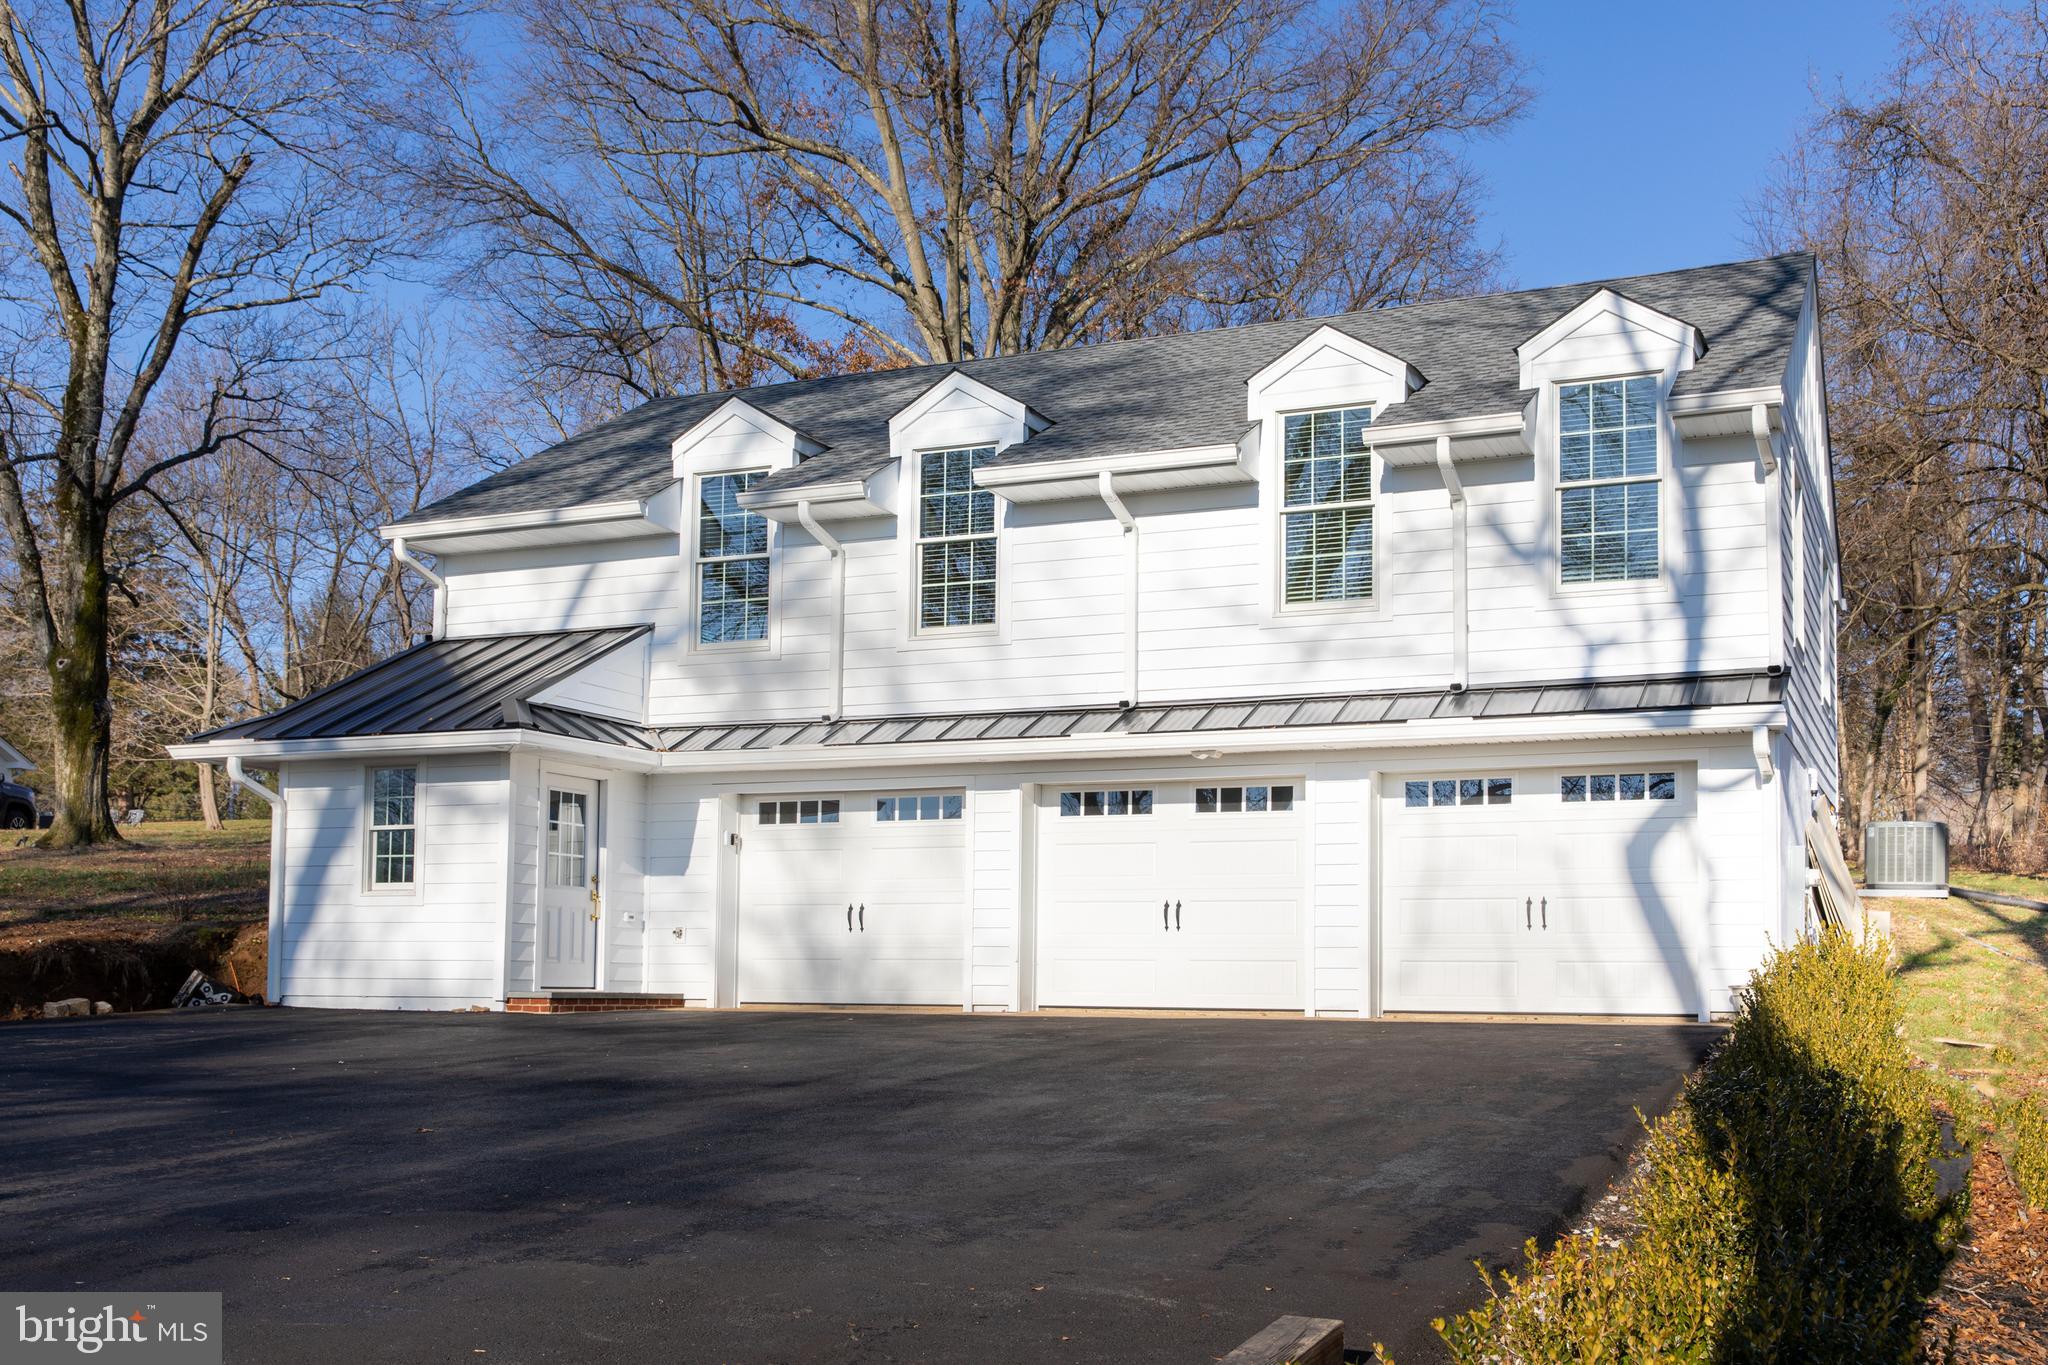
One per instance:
(802, 1187)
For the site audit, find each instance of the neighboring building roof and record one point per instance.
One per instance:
(477, 683)
(1168, 392)
(485, 683)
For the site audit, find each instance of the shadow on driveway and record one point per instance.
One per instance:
(803, 1187)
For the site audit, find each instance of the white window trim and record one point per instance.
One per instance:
(367, 836)
(1273, 502)
(1550, 449)
(910, 526)
(1278, 605)
(1796, 524)
(771, 646)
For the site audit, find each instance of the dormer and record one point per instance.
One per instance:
(1610, 334)
(959, 411)
(1334, 369)
(738, 435)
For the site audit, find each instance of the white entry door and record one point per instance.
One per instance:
(857, 899)
(1549, 890)
(1171, 895)
(570, 903)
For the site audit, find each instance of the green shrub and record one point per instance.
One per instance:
(2026, 1120)
(1787, 1208)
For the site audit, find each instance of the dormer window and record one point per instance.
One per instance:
(732, 562)
(956, 541)
(1326, 520)
(1608, 477)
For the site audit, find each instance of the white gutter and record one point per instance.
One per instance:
(539, 519)
(457, 741)
(1455, 487)
(412, 561)
(1106, 485)
(838, 552)
(1774, 533)
(1719, 720)
(248, 783)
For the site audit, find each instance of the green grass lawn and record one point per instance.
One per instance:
(1979, 973)
(169, 873)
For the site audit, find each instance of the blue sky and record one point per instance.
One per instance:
(1655, 123)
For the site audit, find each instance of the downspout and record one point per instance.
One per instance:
(1774, 531)
(274, 953)
(838, 553)
(411, 561)
(1453, 485)
(1105, 483)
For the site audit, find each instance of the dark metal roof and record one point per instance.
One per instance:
(477, 683)
(485, 683)
(1176, 391)
(1210, 717)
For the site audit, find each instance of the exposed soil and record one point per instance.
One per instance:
(130, 966)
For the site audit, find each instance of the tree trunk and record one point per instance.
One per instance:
(209, 804)
(80, 706)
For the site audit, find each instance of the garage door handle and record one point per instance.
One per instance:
(849, 917)
(1546, 912)
(1176, 917)
(863, 917)
(1528, 902)
(1164, 922)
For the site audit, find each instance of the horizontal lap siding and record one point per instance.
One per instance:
(625, 899)
(1738, 820)
(439, 947)
(1708, 617)
(681, 824)
(614, 685)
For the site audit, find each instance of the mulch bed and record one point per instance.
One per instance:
(1992, 1308)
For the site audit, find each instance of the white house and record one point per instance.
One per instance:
(1472, 656)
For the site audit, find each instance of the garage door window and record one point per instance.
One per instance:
(924, 806)
(1459, 791)
(1619, 787)
(820, 812)
(1117, 801)
(1249, 800)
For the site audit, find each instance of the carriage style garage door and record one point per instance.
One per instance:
(857, 899)
(1171, 895)
(1540, 891)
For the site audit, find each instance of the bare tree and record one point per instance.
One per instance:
(183, 174)
(1926, 200)
(925, 181)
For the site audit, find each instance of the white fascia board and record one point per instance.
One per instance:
(1726, 412)
(1408, 378)
(1489, 436)
(840, 500)
(1048, 479)
(792, 440)
(448, 742)
(1015, 409)
(1322, 738)
(415, 532)
(1682, 334)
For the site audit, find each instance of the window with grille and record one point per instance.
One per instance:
(394, 835)
(1607, 479)
(1326, 524)
(732, 562)
(1440, 792)
(956, 541)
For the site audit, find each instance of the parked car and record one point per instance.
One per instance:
(17, 806)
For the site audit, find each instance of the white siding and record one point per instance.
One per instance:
(1810, 541)
(523, 873)
(436, 947)
(681, 888)
(614, 685)
(1339, 885)
(625, 870)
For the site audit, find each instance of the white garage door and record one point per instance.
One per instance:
(1171, 895)
(853, 900)
(1552, 890)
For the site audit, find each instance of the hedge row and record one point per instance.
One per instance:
(1787, 1207)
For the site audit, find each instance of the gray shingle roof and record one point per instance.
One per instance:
(477, 683)
(1169, 391)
